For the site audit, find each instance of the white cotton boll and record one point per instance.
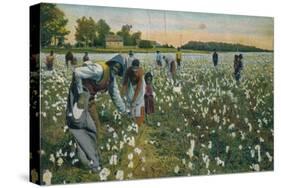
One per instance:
(183, 161)
(137, 151)
(55, 119)
(119, 175)
(108, 147)
(74, 161)
(52, 158)
(131, 164)
(261, 139)
(143, 159)
(258, 148)
(58, 114)
(240, 147)
(44, 114)
(131, 141)
(250, 127)
(114, 147)
(110, 129)
(255, 167)
(231, 126)
(206, 160)
(104, 173)
(210, 145)
(158, 124)
(60, 162)
(115, 135)
(191, 149)
(47, 177)
(219, 161)
(176, 169)
(130, 156)
(71, 154)
(227, 149)
(113, 160)
(242, 135)
(190, 165)
(252, 153)
(269, 157)
(178, 129)
(121, 145)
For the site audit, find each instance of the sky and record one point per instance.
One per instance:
(177, 28)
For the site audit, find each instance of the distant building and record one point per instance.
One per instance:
(113, 41)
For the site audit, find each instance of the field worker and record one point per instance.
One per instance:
(134, 88)
(100, 77)
(50, 61)
(179, 57)
(158, 58)
(215, 58)
(81, 115)
(171, 66)
(148, 96)
(86, 57)
(131, 58)
(68, 58)
(238, 66)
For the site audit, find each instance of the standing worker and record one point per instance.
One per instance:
(158, 59)
(179, 57)
(68, 57)
(50, 61)
(86, 57)
(238, 66)
(215, 58)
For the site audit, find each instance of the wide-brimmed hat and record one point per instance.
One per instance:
(119, 59)
(148, 75)
(135, 64)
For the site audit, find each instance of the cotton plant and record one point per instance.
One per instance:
(205, 106)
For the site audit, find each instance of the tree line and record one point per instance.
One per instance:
(221, 46)
(88, 32)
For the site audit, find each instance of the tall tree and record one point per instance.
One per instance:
(103, 29)
(86, 31)
(125, 33)
(129, 38)
(136, 37)
(52, 24)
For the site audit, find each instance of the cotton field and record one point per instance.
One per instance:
(205, 123)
